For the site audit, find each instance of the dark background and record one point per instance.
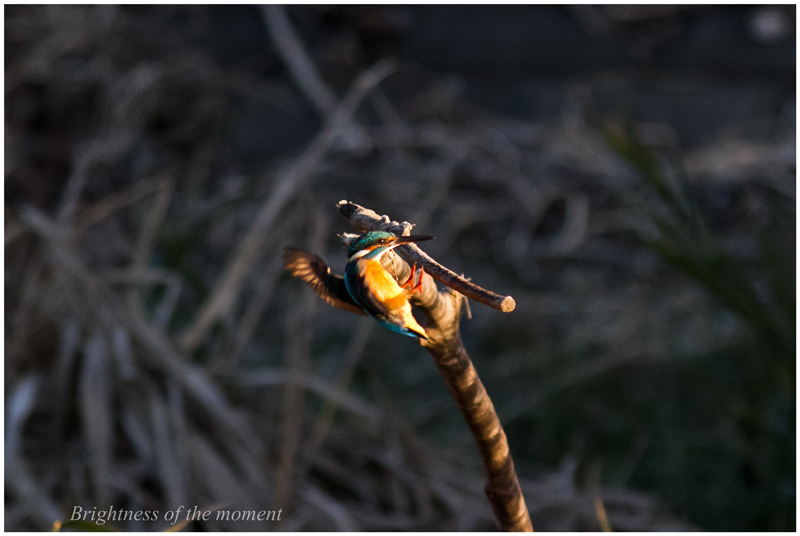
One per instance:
(626, 173)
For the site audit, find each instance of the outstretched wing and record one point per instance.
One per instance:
(317, 274)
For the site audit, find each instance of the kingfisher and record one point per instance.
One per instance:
(366, 288)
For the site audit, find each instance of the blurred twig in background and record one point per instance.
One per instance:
(297, 60)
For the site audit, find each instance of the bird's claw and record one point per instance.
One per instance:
(410, 280)
(418, 286)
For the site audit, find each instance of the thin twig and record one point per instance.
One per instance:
(325, 389)
(364, 219)
(13, 230)
(260, 296)
(248, 322)
(248, 250)
(19, 477)
(170, 280)
(298, 356)
(336, 512)
(155, 216)
(103, 209)
(602, 517)
(144, 249)
(297, 60)
(106, 147)
(358, 343)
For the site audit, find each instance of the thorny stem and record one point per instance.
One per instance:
(442, 311)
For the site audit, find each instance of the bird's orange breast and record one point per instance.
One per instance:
(383, 285)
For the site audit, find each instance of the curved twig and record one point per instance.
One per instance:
(364, 219)
(443, 312)
(297, 60)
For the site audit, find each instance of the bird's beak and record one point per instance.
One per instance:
(400, 240)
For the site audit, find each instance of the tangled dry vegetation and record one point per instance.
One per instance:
(157, 356)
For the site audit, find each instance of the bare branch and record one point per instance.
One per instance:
(442, 311)
(364, 220)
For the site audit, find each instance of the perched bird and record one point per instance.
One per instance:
(366, 288)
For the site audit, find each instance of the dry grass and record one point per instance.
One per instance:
(156, 356)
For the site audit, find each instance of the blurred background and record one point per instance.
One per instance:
(626, 173)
